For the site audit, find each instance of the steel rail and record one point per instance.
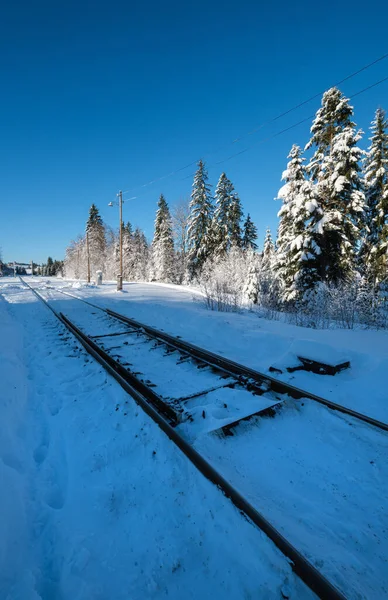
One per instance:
(237, 369)
(317, 582)
(234, 368)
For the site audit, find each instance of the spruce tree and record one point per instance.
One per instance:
(220, 222)
(234, 218)
(163, 254)
(199, 228)
(335, 172)
(268, 250)
(249, 234)
(95, 230)
(296, 257)
(226, 223)
(375, 243)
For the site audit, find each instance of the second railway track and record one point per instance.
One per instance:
(197, 397)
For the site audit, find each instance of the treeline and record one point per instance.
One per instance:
(51, 268)
(332, 239)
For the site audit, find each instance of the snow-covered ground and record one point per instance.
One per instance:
(96, 503)
(260, 343)
(86, 463)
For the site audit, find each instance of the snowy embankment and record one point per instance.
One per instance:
(95, 501)
(260, 343)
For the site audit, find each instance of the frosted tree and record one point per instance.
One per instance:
(141, 256)
(163, 255)
(267, 281)
(375, 244)
(249, 236)
(226, 223)
(75, 263)
(199, 228)
(335, 171)
(220, 222)
(297, 252)
(127, 251)
(268, 251)
(234, 218)
(180, 218)
(95, 230)
(251, 284)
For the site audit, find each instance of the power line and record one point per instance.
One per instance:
(269, 121)
(266, 139)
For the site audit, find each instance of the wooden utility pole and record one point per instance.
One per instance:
(120, 277)
(88, 254)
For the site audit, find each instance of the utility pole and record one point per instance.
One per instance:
(120, 277)
(88, 254)
(32, 268)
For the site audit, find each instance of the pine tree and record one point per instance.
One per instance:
(234, 217)
(141, 253)
(334, 169)
(268, 250)
(249, 234)
(296, 257)
(199, 228)
(127, 251)
(226, 223)
(220, 222)
(375, 244)
(163, 244)
(251, 287)
(95, 231)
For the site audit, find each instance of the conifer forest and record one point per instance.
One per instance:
(327, 265)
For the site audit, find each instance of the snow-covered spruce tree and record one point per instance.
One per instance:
(199, 228)
(268, 250)
(374, 250)
(296, 257)
(251, 284)
(335, 171)
(127, 251)
(226, 223)
(234, 217)
(249, 234)
(141, 256)
(220, 221)
(95, 231)
(267, 284)
(163, 255)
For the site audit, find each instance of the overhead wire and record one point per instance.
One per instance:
(267, 122)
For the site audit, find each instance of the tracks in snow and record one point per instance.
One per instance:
(116, 341)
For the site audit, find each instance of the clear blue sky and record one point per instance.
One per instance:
(101, 96)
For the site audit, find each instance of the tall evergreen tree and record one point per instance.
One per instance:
(127, 251)
(234, 217)
(296, 257)
(226, 223)
(335, 171)
(249, 234)
(220, 222)
(199, 228)
(375, 244)
(268, 250)
(95, 230)
(163, 254)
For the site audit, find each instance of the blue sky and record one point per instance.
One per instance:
(100, 96)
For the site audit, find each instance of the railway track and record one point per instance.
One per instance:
(124, 346)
